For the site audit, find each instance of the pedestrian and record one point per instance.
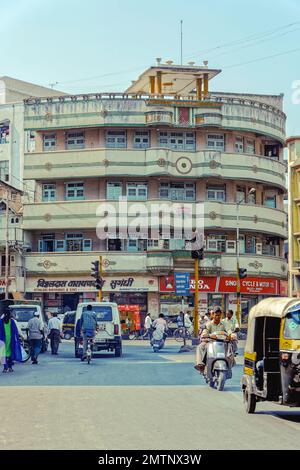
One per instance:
(55, 327)
(147, 325)
(9, 338)
(35, 329)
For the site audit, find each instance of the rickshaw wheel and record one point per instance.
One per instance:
(249, 401)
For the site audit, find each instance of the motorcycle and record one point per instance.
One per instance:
(219, 362)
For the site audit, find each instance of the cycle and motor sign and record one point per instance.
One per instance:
(182, 284)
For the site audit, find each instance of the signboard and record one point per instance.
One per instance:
(226, 284)
(111, 284)
(182, 284)
(250, 285)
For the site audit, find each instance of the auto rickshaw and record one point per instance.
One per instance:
(272, 353)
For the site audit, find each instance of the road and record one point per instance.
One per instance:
(141, 401)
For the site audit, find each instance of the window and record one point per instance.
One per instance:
(74, 241)
(75, 140)
(177, 191)
(49, 142)
(137, 191)
(270, 199)
(216, 193)
(116, 139)
(4, 132)
(75, 191)
(272, 151)
(47, 243)
(177, 140)
(251, 199)
(250, 146)
(216, 142)
(240, 194)
(114, 190)
(115, 244)
(4, 170)
(141, 140)
(49, 192)
(239, 144)
(216, 243)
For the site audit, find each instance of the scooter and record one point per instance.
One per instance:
(157, 339)
(219, 362)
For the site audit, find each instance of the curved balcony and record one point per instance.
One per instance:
(217, 215)
(159, 263)
(120, 109)
(153, 162)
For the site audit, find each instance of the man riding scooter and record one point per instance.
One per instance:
(212, 330)
(159, 335)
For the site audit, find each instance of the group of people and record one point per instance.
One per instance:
(10, 342)
(216, 326)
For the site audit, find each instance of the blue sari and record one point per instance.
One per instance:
(16, 354)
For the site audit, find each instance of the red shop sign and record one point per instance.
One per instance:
(250, 285)
(226, 284)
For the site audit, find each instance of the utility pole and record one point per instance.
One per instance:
(100, 295)
(181, 42)
(7, 246)
(196, 306)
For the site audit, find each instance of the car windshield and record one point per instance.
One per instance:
(23, 314)
(103, 312)
(292, 325)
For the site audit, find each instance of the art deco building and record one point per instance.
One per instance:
(167, 138)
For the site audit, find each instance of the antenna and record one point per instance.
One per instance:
(181, 41)
(52, 85)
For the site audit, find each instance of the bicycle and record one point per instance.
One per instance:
(89, 350)
(182, 333)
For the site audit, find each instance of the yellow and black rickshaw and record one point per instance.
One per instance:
(272, 353)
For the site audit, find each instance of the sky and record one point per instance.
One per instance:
(101, 45)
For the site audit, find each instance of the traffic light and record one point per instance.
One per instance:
(99, 283)
(198, 254)
(242, 273)
(95, 269)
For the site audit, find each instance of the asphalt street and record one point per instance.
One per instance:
(140, 401)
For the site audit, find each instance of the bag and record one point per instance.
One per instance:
(24, 354)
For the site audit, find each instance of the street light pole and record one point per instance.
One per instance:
(238, 281)
(7, 247)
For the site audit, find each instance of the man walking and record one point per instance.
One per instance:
(35, 330)
(88, 327)
(147, 326)
(55, 328)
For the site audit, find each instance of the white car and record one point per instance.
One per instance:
(108, 337)
(22, 313)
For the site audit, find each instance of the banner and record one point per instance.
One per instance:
(226, 284)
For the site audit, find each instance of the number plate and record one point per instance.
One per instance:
(102, 327)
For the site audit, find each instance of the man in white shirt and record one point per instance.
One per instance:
(55, 328)
(187, 323)
(147, 325)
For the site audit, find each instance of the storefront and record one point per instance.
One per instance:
(219, 291)
(63, 294)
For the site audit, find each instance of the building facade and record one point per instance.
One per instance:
(167, 139)
(293, 145)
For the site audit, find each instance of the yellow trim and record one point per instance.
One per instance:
(248, 371)
(251, 356)
(158, 82)
(205, 84)
(152, 84)
(285, 343)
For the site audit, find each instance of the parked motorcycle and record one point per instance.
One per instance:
(219, 362)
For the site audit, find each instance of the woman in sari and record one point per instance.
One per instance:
(9, 339)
